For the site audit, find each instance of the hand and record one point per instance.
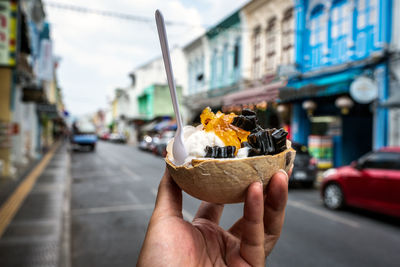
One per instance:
(172, 241)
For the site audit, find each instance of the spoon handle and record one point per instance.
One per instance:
(168, 67)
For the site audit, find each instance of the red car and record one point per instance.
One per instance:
(372, 182)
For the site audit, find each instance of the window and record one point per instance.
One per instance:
(318, 35)
(381, 160)
(271, 44)
(236, 53)
(224, 67)
(367, 13)
(214, 61)
(287, 36)
(340, 30)
(256, 53)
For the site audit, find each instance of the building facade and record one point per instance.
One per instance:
(393, 102)
(342, 57)
(268, 58)
(32, 110)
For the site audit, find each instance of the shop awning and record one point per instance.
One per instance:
(265, 92)
(49, 110)
(316, 87)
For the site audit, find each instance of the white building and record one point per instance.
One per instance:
(268, 37)
(153, 72)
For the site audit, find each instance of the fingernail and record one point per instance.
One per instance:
(283, 171)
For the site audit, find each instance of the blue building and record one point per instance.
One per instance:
(342, 59)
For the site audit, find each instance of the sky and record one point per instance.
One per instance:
(98, 53)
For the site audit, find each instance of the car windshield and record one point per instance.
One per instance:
(381, 160)
(86, 127)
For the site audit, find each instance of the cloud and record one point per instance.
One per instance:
(98, 52)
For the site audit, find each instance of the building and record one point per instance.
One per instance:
(31, 105)
(342, 57)
(198, 70)
(393, 102)
(268, 59)
(147, 97)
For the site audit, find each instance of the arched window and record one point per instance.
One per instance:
(288, 37)
(318, 35)
(271, 34)
(340, 30)
(367, 26)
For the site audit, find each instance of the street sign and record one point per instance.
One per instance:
(8, 32)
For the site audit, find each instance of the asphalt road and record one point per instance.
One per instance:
(113, 194)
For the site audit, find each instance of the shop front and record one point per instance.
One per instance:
(337, 123)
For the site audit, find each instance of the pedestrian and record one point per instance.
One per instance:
(172, 241)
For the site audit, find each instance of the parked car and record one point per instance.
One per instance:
(372, 182)
(83, 135)
(144, 144)
(105, 136)
(305, 167)
(118, 138)
(161, 146)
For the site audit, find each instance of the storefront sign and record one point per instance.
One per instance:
(364, 90)
(321, 148)
(45, 65)
(8, 33)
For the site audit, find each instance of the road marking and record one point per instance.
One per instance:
(187, 215)
(14, 202)
(109, 209)
(322, 213)
(131, 173)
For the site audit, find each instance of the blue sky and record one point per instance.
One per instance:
(97, 52)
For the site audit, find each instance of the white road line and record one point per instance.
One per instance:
(187, 215)
(324, 214)
(133, 175)
(109, 209)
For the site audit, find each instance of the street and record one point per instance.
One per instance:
(113, 194)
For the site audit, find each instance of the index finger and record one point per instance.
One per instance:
(274, 208)
(169, 198)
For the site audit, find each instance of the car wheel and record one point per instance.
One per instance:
(333, 196)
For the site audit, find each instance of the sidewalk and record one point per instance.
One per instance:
(38, 234)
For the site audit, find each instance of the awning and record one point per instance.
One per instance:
(317, 87)
(47, 109)
(393, 101)
(265, 92)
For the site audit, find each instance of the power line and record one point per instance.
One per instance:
(136, 18)
(113, 14)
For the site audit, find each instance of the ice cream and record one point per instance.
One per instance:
(226, 153)
(196, 139)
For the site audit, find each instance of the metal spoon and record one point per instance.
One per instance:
(178, 149)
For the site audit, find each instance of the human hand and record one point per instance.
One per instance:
(172, 241)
